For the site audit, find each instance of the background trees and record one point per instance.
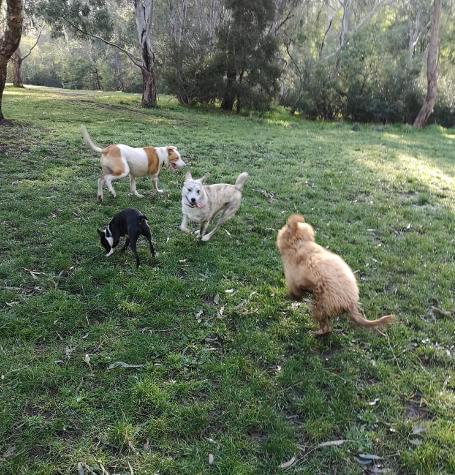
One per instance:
(361, 60)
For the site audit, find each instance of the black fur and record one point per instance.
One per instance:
(130, 223)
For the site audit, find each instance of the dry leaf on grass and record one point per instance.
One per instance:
(289, 463)
(122, 364)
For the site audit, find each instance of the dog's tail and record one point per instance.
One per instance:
(241, 179)
(360, 320)
(88, 140)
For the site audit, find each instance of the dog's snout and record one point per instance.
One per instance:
(193, 200)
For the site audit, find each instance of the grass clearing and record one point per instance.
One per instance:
(234, 374)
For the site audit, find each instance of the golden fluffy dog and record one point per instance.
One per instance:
(308, 266)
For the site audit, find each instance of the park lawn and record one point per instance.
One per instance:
(229, 366)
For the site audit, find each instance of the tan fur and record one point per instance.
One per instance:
(154, 162)
(111, 159)
(308, 266)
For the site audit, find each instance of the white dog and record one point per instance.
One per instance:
(117, 161)
(200, 203)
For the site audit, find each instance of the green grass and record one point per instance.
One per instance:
(234, 374)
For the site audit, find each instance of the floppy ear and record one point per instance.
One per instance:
(307, 232)
(294, 220)
(188, 176)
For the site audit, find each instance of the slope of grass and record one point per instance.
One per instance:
(227, 364)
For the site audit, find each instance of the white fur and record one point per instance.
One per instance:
(136, 158)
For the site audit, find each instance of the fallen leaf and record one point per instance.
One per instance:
(211, 459)
(216, 299)
(331, 443)
(122, 364)
(229, 291)
(416, 442)
(289, 463)
(373, 403)
(370, 457)
(418, 430)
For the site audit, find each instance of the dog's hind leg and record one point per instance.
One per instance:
(100, 188)
(320, 315)
(133, 187)
(202, 229)
(134, 250)
(226, 214)
(148, 236)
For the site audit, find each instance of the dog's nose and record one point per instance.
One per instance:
(193, 200)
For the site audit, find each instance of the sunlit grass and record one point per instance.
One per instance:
(226, 363)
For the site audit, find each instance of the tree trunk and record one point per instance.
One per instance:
(17, 60)
(144, 17)
(10, 40)
(149, 89)
(432, 68)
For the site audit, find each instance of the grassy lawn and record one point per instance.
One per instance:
(228, 365)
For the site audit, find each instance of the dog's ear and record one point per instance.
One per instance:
(306, 231)
(100, 232)
(188, 176)
(294, 220)
(202, 179)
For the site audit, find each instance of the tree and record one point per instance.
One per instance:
(10, 40)
(432, 68)
(144, 23)
(17, 59)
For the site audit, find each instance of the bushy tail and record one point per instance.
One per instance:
(88, 140)
(360, 320)
(241, 179)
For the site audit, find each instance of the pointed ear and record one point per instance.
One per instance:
(202, 179)
(188, 176)
(99, 231)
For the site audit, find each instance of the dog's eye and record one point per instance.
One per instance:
(198, 191)
(190, 189)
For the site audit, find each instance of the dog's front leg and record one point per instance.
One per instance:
(155, 184)
(133, 187)
(125, 246)
(184, 225)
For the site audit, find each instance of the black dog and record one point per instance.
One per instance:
(129, 222)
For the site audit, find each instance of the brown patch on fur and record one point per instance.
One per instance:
(112, 158)
(308, 266)
(153, 160)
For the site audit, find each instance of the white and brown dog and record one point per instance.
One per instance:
(117, 161)
(200, 203)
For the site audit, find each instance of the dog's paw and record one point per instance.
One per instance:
(100, 199)
(185, 230)
(160, 191)
(197, 233)
(206, 237)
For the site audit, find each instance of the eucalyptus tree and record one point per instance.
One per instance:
(10, 39)
(94, 19)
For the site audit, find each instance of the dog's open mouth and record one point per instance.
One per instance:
(173, 166)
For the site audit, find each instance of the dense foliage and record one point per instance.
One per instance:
(352, 59)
